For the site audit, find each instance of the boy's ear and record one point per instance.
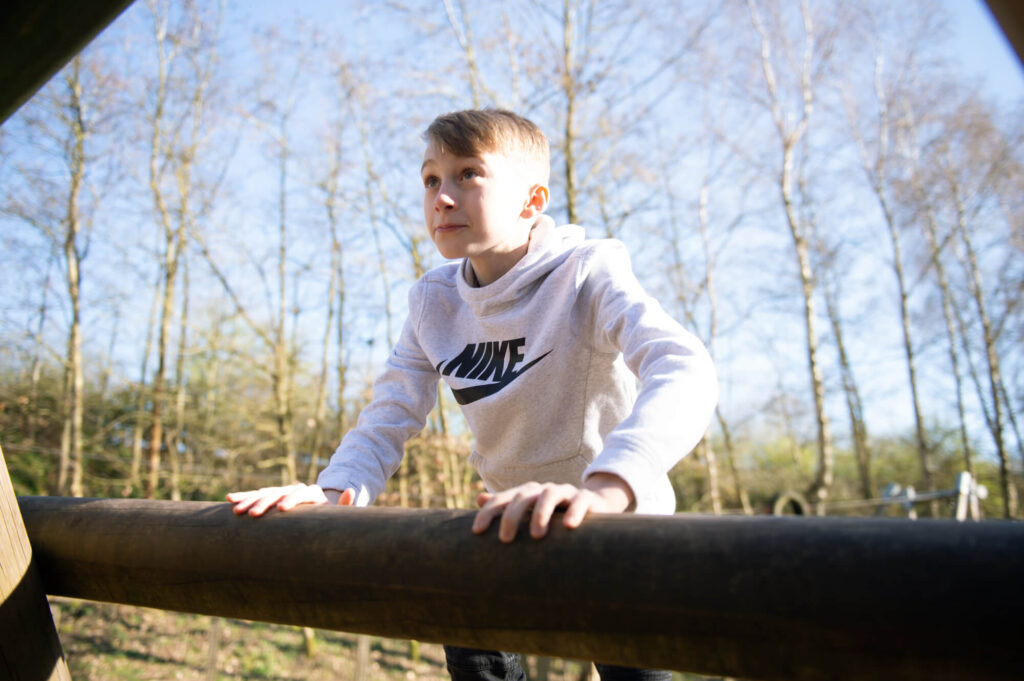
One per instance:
(537, 203)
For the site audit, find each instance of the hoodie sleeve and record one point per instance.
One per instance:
(403, 395)
(678, 389)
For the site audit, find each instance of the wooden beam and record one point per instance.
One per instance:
(29, 647)
(38, 37)
(783, 598)
(1009, 14)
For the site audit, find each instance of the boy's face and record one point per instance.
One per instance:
(479, 207)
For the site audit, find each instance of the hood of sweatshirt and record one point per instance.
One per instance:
(548, 248)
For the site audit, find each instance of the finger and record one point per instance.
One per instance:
(483, 498)
(347, 498)
(513, 515)
(545, 506)
(244, 500)
(492, 507)
(301, 495)
(265, 501)
(242, 506)
(578, 510)
(237, 498)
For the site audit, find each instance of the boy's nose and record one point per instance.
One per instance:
(443, 200)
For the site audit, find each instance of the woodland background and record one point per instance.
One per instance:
(210, 219)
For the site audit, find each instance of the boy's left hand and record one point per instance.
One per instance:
(602, 493)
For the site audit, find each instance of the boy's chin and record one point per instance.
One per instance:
(452, 253)
(449, 250)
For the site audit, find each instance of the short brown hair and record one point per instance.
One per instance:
(474, 131)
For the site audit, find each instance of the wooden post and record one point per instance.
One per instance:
(29, 647)
(775, 598)
(38, 37)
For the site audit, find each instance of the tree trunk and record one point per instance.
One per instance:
(826, 461)
(213, 649)
(174, 146)
(176, 443)
(923, 453)
(282, 375)
(320, 405)
(342, 424)
(737, 482)
(169, 264)
(73, 259)
(790, 135)
(711, 463)
(335, 295)
(464, 36)
(991, 355)
(874, 166)
(948, 316)
(854, 407)
(134, 476)
(36, 368)
(362, 671)
(569, 92)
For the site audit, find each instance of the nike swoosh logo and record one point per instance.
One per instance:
(478, 392)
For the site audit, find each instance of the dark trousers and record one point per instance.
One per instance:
(470, 664)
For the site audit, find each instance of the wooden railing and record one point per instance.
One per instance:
(783, 598)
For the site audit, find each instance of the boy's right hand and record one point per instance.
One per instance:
(259, 501)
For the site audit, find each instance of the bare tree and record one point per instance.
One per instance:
(851, 391)
(876, 158)
(461, 26)
(176, 442)
(176, 137)
(65, 122)
(924, 208)
(74, 253)
(330, 191)
(791, 127)
(141, 419)
(959, 164)
(972, 161)
(685, 292)
(274, 114)
(36, 366)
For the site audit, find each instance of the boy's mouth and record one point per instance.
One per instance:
(447, 228)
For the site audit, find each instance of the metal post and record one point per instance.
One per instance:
(963, 494)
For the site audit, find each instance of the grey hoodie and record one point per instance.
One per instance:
(544, 363)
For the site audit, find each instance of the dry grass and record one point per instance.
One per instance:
(105, 642)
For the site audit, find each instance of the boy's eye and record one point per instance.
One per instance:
(469, 174)
(429, 181)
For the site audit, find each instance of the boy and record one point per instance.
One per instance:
(541, 335)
